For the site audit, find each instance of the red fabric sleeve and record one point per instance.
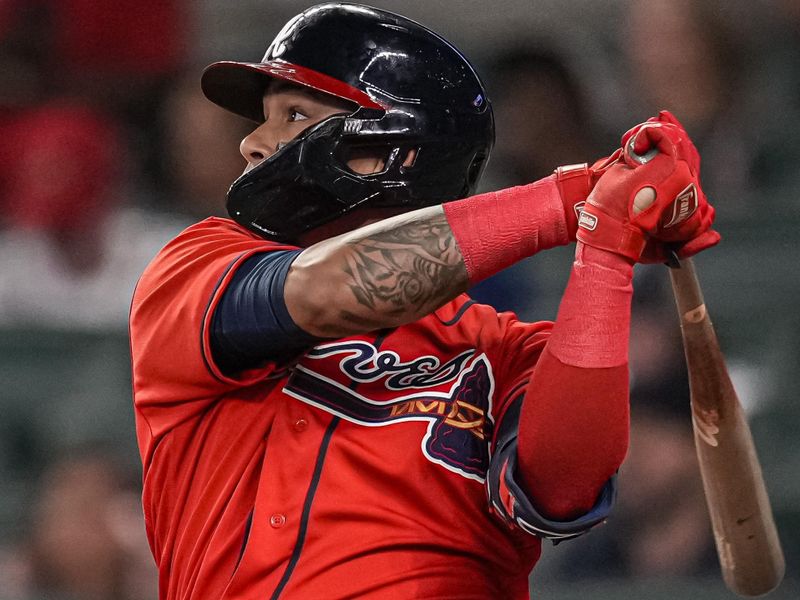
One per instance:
(573, 429)
(497, 229)
(174, 376)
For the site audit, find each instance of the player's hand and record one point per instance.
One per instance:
(686, 147)
(575, 183)
(653, 192)
(656, 251)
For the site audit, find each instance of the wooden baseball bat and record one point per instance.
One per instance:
(749, 550)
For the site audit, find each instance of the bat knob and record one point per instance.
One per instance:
(673, 262)
(641, 158)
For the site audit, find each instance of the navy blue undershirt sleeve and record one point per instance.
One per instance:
(251, 324)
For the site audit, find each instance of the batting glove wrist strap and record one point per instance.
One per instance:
(599, 229)
(575, 183)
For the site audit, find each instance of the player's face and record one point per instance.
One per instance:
(291, 109)
(288, 111)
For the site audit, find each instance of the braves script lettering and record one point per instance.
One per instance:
(363, 363)
(459, 416)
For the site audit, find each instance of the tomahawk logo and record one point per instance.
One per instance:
(459, 415)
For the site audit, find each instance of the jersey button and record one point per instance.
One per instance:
(277, 520)
(300, 425)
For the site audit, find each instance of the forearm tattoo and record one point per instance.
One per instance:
(412, 268)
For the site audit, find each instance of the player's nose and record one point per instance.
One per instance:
(258, 145)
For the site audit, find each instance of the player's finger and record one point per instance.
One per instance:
(641, 142)
(605, 163)
(666, 116)
(635, 129)
(657, 135)
(701, 242)
(646, 146)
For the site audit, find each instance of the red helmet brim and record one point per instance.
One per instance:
(239, 86)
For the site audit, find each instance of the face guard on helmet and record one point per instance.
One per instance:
(411, 89)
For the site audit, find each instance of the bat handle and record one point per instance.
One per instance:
(688, 295)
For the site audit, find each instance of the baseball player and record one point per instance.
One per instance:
(322, 412)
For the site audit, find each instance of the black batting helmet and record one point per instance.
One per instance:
(411, 89)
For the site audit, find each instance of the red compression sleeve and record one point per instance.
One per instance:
(573, 429)
(495, 230)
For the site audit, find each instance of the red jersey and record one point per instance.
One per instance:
(357, 470)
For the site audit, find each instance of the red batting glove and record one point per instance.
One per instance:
(656, 251)
(680, 212)
(686, 147)
(575, 183)
(664, 244)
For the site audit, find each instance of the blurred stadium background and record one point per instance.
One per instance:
(107, 149)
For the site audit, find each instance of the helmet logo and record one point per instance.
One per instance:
(278, 45)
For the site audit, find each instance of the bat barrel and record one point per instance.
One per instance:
(747, 541)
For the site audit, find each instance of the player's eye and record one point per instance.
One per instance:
(296, 115)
